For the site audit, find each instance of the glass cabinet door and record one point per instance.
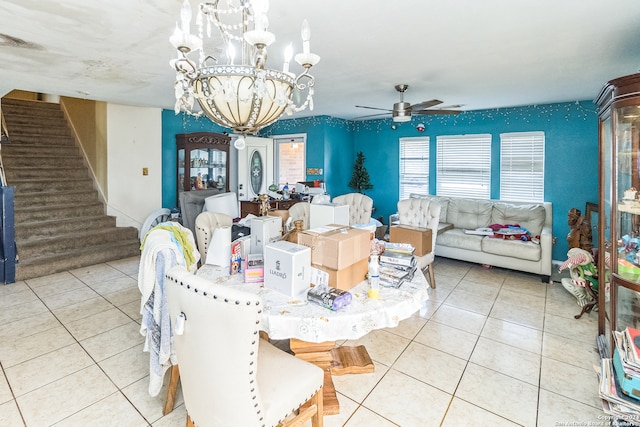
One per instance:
(619, 206)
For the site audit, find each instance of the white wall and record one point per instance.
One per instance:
(134, 141)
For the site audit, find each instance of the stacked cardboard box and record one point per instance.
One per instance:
(341, 251)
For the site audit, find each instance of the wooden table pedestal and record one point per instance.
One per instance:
(334, 361)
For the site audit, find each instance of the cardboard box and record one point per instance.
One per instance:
(264, 230)
(287, 268)
(347, 277)
(419, 238)
(328, 213)
(335, 246)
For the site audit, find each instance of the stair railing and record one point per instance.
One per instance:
(8, 253)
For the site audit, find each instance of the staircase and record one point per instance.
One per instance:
(60, 223)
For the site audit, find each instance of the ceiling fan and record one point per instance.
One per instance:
(402, 111)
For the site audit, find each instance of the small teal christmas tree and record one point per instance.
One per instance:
(360, 178)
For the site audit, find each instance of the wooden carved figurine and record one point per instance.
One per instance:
(580, 234)
(264, 205)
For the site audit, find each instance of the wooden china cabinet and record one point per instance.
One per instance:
(203, 161)
(619, 211)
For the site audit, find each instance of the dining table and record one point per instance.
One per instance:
(313, 330)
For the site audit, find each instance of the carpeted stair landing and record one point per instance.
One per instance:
(60, 222)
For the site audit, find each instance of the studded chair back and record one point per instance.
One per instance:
(229, 376)
(360, 207)
(206, 223)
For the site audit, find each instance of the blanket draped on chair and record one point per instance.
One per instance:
(165, 246)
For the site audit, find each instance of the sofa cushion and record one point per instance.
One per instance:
(456, 238)
(469, 213)
(511, 248)
(531, 217)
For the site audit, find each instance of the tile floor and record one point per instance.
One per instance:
(496, 348)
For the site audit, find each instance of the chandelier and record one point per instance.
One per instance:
(244, 96)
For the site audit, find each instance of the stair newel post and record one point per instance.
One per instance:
(7, 230)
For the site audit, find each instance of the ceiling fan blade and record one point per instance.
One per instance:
(370, 115)
(436, 111)
(425, 104)
(373, 108)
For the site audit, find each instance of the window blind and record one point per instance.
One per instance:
(522, 166)
(414, 166)
(464, 166)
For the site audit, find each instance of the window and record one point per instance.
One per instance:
(522, 166)
(414, 166)
(291, 163)
(464, 166)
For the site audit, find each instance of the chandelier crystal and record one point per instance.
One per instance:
(244, 96)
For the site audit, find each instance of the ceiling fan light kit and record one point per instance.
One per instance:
(403, 111)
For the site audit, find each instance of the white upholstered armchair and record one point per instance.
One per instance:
(206, 223)
(360, 207)
(300, 211)
(422, 213)
(229, 375)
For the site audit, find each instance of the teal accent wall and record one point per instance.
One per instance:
(571, 152)
(173, 125)
(571, 148)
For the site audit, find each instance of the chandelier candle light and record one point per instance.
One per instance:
(244, 97)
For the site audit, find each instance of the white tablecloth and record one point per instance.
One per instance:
(284, 318)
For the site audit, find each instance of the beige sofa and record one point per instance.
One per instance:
(470, 214)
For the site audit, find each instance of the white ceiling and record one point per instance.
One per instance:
(481, 54)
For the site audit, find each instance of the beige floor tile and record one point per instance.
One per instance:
(97, 323)
(580, 384)
(581, 354)
(150, 406)
(10, 415)
(454, 270)
(439, 294)
(520, 364)
(132, 310)
(555, 410)
(17, 297)
(119, 283)
(113, 410)
(512, 334)
(22, 311)
(584, 329)
(35, 345)
(60, 399)
(124, 296)
(364, 417)
(428, 309)
(357, 387)
(448, 339)
(402, 400)
(61, 286)
(347, 409)
(28, 326)
(127, 367)
(50, 279)
(530, 285)
(486, 291)
(6, 290)
(463, 413)
(521, 316)
(382, 346)
(42, 370)
(503, 395)
(520, 299)
(177, 417)
(469, 301)
(5, 390)
(65, 299)
(488, 276)
(431, 366)
(459, 318)
(96, 273)
(409, 328)
(113, 341)
(82, 310)
(128, 266)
